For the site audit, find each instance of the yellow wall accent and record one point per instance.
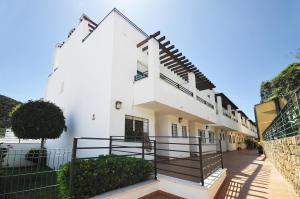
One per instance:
(266, 113)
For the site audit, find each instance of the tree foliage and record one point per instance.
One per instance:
(38, 120)
(285, 82)
(6, 106)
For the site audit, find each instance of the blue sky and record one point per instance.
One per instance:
(236, 44)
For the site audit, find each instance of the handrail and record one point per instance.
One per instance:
(175, 84)
(140, 76)
(205, 102)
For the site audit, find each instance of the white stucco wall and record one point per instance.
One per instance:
(89, 77)
(81, 85)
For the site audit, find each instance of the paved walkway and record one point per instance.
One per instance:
(252, 176)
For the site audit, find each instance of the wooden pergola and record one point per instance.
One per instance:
(243, 114)
(226, 101)
(174, 60)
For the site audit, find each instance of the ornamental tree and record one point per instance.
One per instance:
(38, 120)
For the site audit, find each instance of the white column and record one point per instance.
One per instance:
(239, 118)
(192, 83)
(236, 115)
(229, 110)
(219, 104)
(153, 59)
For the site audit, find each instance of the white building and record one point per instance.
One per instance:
(113, 79)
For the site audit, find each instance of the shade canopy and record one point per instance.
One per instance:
(226, 101)
(174, 60)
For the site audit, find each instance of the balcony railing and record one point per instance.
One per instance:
(226, 114)
(205, 102)
(140, 75)
(175, 84)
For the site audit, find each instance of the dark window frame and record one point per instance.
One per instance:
(184, 134)
(136, 135)
(174, 130)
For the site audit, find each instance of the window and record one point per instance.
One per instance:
(233, 139)
(201, 133)
(211, 136)
(174, 130)
(229, 136)
(184, 132)
(223, 136)
(136, 128)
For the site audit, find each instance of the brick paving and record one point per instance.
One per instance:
(252, 176)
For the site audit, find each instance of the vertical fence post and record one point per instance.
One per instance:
(200, 160)
(72, 168)
(110, 144)
(155, 160)
(220, 143)
(143, 148)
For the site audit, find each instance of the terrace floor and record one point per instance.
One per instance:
(252, 176)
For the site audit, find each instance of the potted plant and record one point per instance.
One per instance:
(239, 146)
(259, 147)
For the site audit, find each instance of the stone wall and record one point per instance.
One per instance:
(285, 155)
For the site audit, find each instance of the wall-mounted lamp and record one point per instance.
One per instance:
(118, 105)
(179, 119)
(206, 127)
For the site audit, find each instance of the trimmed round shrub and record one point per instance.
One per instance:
(37, 120)
(95, 176)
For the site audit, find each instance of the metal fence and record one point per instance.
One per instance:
(27, 174)
(30, 174)
(287, 122)
(189, 158)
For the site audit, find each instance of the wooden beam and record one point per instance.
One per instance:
(182, 65)
(166, 43)
(161, 39)
(175, 61)
(166, 60)
(173, 52)
(168, 48)
(169, 63)
(185, 68)
(173, 65)
(145, 48)
(147, 39)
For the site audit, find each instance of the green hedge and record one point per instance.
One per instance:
(33, 155)
(96, 176)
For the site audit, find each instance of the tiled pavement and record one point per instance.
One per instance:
(252, 176)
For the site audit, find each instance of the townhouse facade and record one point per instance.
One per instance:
(113, 79)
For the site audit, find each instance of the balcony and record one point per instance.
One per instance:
(163, 93)
(175, 84)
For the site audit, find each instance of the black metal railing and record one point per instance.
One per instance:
(175, 84)
(33, 173)
(181, 157)
(205, 102)
(140, 76)
(287, 122)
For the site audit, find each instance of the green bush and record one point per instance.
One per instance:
(95, 176)
(33, 155)
(250, 144)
